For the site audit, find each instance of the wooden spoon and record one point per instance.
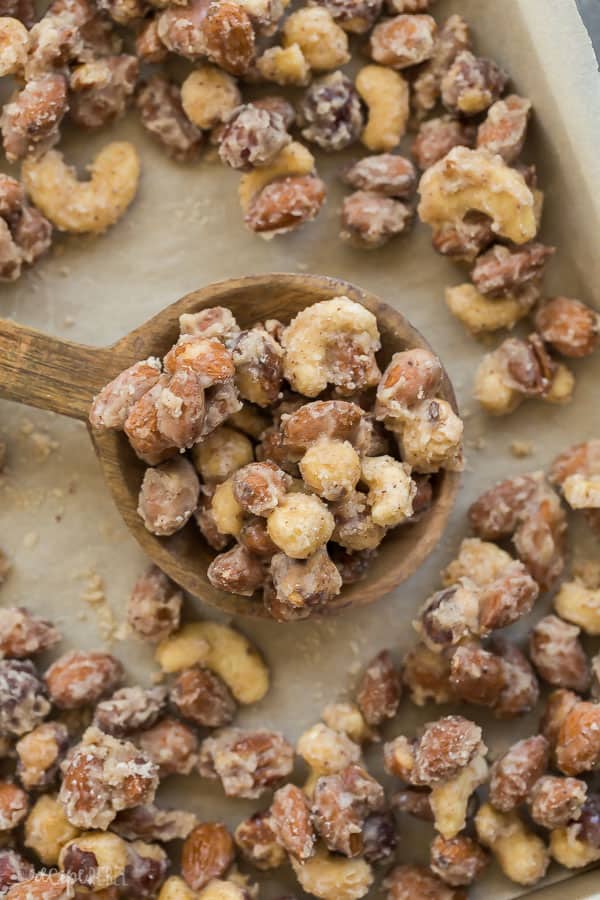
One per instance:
(61, 376)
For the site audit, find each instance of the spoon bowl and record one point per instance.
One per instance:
(64, 377)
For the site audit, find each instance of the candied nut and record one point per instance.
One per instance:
(246, 762)
(426, 674)
(303, 584)
(95, 859)
(293, 160)
(100, 90)
(39, 754)
(399, 759)
(449, 615)
(323, 44)
(23, 701)
(146, 868)
(411, 377)
(378, 694)
(154, 606)
(84, 206)
(437, 137)
(148, 45)
(47, 829)
(431, 438)
(330, 112)
(327, 751)
(446, 747)
(589, 821)
(502, 270)
(338, 420)
(22, 634)
(578, 741)
(514, 774)
(410, 882)
(452, 801)
(14, 46)
(209, 96)
(171, 745)
(215, 322)
(481, 314)
(252, 137)
(391, 490)
(571, 327)
(385, 173)
(347, 719)
(354, 16)
(331, 468)
(285, 204)
(180, 409)
(258, 365)
(181, 28)
(568, 847)
(459, 861)
(415, 802)
(207, 853)
(14, 869)
(149, 823)
(353, 566)
(222, 453)
(236, 571)
(228, 515)
(379, 837)
(459, 183)
(332, 877)
(202, 698)
(229, 37)
(30, 121)
(291, 821)
(300, 525)
(255, 538)
(555, 801)
(112, 405)
(161, 113)
(260, 487)
(557, 654)
(370, 220)
(500, 678)
(284, 66)
(141, 426)
(130, 709)
(43, 887)
(81, 678)
(507, 599)
(472, 84)
(405, 40)
(580, 605)
(521, 854)
(223, 650)
(14, 804)
(558, 705)
(103, 776)
(386, 94)
(480, 561)
(256, 840)
(341, 804)
(175, 888)
(505, 128)
(168, 496)
(463, 240)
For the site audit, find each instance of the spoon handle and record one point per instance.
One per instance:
(51, 373)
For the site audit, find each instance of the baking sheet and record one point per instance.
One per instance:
(57, 523)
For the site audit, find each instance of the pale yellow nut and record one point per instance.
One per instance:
(331, 468)
(84, 206)
(284, 66)
(569, 851)
(110, 852)
(14, 46)
(562, 387)
(582, 491)
(432, 442)
(175, 888)
(480, 314)
(333, 877)
(221, 454)
(347, 719)
(294, 159)
(387, 96)
(250, 420)
(227, 512)
(480, 561)
(225, 651)
(491, 390)
(327, 751)
(580, 605)
(47, 829)
(222, 890)
(391, 490)
(521, 854)
(467, 180)
(450, 800)
(300, 524)
(209, 95)
(323, 43)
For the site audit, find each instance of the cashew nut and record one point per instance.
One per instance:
(521, 854)
(14, 46)
(209, 95)
(449, 800)
(323, 43)
(387, 95)
(579, 604)
(84, 206)
(391, 490)
(568, 850)
(284, 66)
(481, 314)
(294, 159)
(327, 751)
(333, 877)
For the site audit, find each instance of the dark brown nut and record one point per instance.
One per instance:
(571, 327)
(555, 801)
(505, 128)
(379, 837)
(146, 869)
(181, 410)
(252, 137)
(274, 448)
(335, 419)
(202, 698)
(39, 755)
(168, 496)
(466, 239)
(341, 804)
(23, 700)
(14, 804)
(276, 103)
(22, 634)
(558, 705)
(580, 459)
(436, 138)
(154, 607)
(403, 41)
(81, 678)
(161, 113)
(330, 112)
(507, 599)
(236, 571)
(101, 89)
(222, 401)
(291, 821)
(411, 376)
(472, 84)
(557, 654)
(370, 220)
(256, 840)
(415, 802)
(112, 405)
(589, 821)
(103, 776)
(578, 742)
(207, 853)
(259, 487)
(426, 674)
(514, 774)
(379, 691)
(458, 861)
(141, 427)
(446, 747)
(148, 45)
(130, 709)
(502, 270)
(149, 823)
(476, 675)
(171, 745)
(229, 37)
(355, 16)
(449, 615)
(43, 887)
(352, 566)
(452, 37)
(521, 689)
(208, 357)
(410, 882)
(258, 360)
(384, 173)
(14, 869)
(255, 538)
(246, 762)
(285, 204)
(30, 121)
(305, 583)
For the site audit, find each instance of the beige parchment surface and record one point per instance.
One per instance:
(57, 522)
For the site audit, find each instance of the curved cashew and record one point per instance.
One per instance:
(521, 854)
(294, 159)
(387, 95)
(568, 850)
(481, 314)
(333, 877)
(84, 206)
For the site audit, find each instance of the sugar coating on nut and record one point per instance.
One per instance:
(521, 854)
(330, 112)
(514, 774)
(332, 877)
(209, 96)
(300, 524)
(472, 84)
(168, 496)
(405, 40)
(386, 95)
(323, 43)
(327, 751)
(555, 801)
(407, 881)
(453, 36)
(247, 763)
(558, 655)
(79, 678)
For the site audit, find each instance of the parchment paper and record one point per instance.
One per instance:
(57, 522)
